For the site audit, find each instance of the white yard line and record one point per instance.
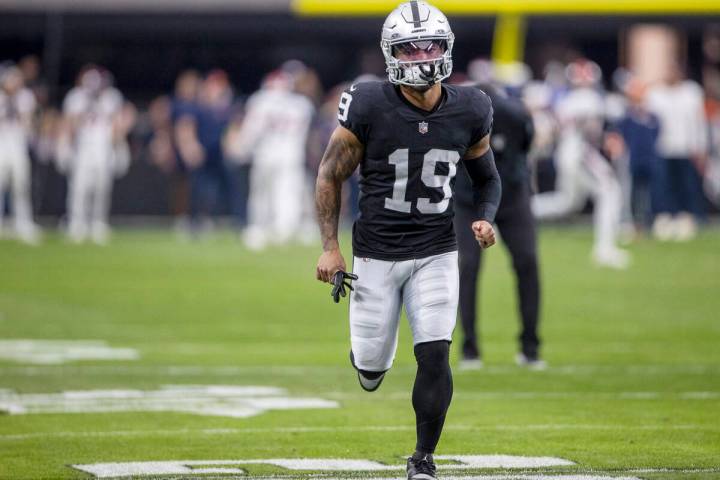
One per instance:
(575, 475)
(325, 465)
(482, 395)
(215, 400)
(547, 474)
(525, 468)
(539, 395)
(389, 428)
(673, 470)
(191, 370)
(55, 352)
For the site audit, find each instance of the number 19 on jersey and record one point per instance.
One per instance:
(401, 159)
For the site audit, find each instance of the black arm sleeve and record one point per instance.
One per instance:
(487, 188)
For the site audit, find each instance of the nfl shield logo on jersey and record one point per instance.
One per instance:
(423, 127)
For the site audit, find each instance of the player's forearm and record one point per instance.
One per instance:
(340, 160)
(327, 205)
(487, 187)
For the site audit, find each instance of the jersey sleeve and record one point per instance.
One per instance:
(353, 111)
(482, 120)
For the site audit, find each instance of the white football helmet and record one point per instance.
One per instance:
(417, 25)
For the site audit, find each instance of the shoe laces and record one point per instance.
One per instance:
(424, 465)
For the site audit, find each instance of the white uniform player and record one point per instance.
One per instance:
(17, 105)
(92, 155)
(583, 173)
(274, 133)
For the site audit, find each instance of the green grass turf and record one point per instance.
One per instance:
(624, 348)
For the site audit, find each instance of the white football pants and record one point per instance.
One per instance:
(276, 203)
(583, 173)
(89, 196)
(15, 176)
(428, 288)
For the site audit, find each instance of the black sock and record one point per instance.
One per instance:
(432, 393)
(419, 455)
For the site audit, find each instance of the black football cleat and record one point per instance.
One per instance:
(421, 468)
(370, 384)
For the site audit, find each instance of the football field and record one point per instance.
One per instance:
(156, 358)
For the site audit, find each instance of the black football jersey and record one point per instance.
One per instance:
(409, 166)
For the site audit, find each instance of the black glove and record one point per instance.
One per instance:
(340, 282)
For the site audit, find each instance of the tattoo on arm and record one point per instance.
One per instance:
(342, 156)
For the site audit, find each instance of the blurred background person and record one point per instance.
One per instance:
(711, 82)
(46, 128)
(640, 129)
(184, 101)
(29, 65)
(582, 170)
(537, 98)
(613, 148)
(683, 146)
(17, 110)
(93, 152)
(157, 132)
(199, 131)
(511, 139)
(239, 165)
(162, 145)
(306, 82)
(274, 133)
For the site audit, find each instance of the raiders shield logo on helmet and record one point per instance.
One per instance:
(423, 127)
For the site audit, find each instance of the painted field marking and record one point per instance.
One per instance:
(179, 467)
(512, 476)
(301, 370)
(54, 352)
(387, 428)
(217, 400)
(489, 395)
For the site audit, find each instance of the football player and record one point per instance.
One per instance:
(511, 140)
(92, 152)
(17, 107)
(583, 172)
(408, 135)
(274, 133)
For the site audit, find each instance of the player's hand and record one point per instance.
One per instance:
(340, 281)
(330, 262)
(484, 233)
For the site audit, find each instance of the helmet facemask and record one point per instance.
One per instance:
(419, 63)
